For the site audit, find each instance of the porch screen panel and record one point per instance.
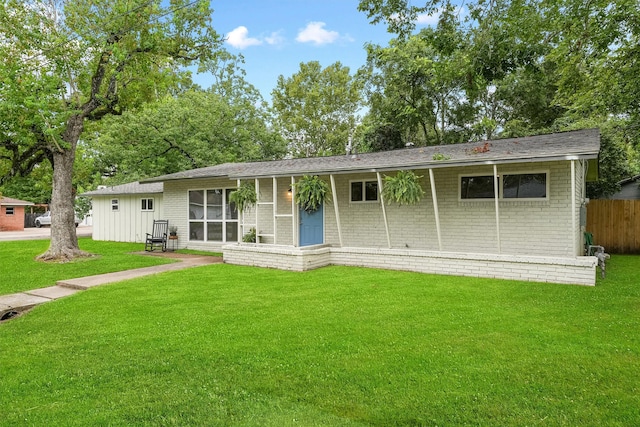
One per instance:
(196, 215)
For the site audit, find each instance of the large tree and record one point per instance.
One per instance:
(317, 108)
(192, 130)
(65, 63)
(418, 84)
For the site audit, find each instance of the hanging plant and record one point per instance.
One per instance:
(244, 197)
(403, 188)
(311, 192)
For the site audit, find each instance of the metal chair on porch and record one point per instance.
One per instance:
(158, 236)
(597, 251)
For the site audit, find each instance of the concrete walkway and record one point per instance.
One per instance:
(14, 304)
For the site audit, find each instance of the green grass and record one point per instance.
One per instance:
(19, 270)
(225, 345)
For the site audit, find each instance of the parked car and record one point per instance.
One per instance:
(45, 219)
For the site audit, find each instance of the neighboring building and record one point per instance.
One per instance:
(12, 214)
(531, 228)
(125, 213)
(629, 189)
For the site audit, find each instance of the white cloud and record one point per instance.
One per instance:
(432, 19)
(426, 19)
(239, 38)
(316, 34)
(275, 38)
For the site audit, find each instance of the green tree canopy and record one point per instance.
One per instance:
(317, 108)
(192, 130)
(68, 62)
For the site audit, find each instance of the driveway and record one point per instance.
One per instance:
(41, 233)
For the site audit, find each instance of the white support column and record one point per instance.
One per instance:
(436, 212)
(294, 213)
(241, 219)
(497, 202)
(335, 208)
(384, 210)
(257, 182)
(574, 231)
(275, 209)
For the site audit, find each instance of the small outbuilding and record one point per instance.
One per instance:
(12, 214)
(125, 213)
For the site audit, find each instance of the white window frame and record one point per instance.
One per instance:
(535, 172)
(471, 175)
(9, 213)
(501, 186)
(144, 204)
(226, 221)
(363, 183)
(115, 205)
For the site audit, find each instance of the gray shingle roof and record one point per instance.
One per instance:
(8, 201)
(129, 188)
(581, 144)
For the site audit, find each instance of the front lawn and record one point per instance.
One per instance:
(19, 270)
(225, 345)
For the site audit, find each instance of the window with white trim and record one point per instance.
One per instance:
(212, 217)
(9, 210)
(511, 186)
(115, 205)
(147, 205)
(364, 191)
(477, 187)
(524, 186)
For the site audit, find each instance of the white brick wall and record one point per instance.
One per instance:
(576, 270)
(537, 237)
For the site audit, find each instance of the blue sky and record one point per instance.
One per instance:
(275, 36)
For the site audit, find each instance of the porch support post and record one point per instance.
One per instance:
(384, 210)
(436, 212)
(257, 183)
(241, 219)
(294, 213)
(275, 209)
(335, 208)
(497, 202)
(574, 231)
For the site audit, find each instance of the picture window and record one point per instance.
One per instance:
(212, 216)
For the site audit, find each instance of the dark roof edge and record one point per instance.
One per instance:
(439, 165)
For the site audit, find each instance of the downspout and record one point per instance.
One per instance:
(436, 211)
(335, 208)
(384, 211)
(497, 202)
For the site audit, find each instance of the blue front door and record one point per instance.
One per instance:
(311, 227)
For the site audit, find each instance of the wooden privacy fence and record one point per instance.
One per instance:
(615, 224)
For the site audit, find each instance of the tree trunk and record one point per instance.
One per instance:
(64, 242)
